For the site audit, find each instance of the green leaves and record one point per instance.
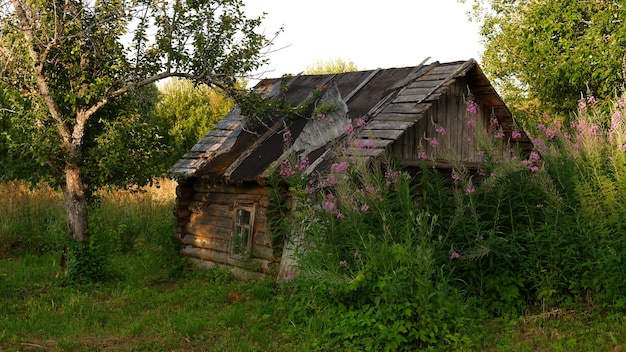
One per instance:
(548, 51)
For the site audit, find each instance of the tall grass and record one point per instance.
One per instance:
(31, 219)
(389, 255)
(146, 298)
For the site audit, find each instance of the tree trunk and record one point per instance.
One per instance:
(76, 202)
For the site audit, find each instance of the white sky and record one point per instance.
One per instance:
(372, 34)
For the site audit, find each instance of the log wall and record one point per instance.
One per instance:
(204, 225)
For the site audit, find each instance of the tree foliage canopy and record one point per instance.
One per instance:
(548, 52)
(331, 66)
(189, 111)
(74, 75)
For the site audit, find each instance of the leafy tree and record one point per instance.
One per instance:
(74, 76)
(190, 111)
(545, 53)
(331, 66)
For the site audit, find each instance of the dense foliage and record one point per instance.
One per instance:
(331, 66)
(543, 53)
(76, 78)
(391, 259)
(189, 111)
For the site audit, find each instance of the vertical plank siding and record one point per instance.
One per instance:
(448, 111)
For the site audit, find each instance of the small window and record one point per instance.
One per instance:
(241, 240)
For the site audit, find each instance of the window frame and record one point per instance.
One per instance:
(238, 248)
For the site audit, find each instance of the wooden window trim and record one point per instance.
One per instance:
(238, 248)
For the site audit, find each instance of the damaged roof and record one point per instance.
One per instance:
(388, 100)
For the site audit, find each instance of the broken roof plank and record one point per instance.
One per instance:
(389, 125)
(386, 134)
(371, 143)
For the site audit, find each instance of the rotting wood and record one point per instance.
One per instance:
(389, 125)
(237, 273)
(207, 243)
(386, 134)
(232, 189)
(361, 85)
(209, 231)
(224, 258)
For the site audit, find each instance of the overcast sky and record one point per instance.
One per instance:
(372, 34)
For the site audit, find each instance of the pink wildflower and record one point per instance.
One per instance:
(357, 255)
(516, 134)
(481, 172)
(340, 216)
(470, 190)
(339, 168)
(422, 155)
(550, 134)
(582, 106)
(288, 277)
(615, 119)
(365, 208)
(454, 255)
(534, 168)
(456, 176)
(360, 122)
(441, 130)
(321, 116)
(303, 164)
(472, 108)
(328, 205)
(285, 169)
(468, 139)
(471, 123)
(287, 136)
(534, 156)
(434, 142)
(494, 122)
(349, 129)
(343, 263)
(499, 134)
(371, 144)
(591, 100)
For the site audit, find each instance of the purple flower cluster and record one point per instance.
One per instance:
(472, 108)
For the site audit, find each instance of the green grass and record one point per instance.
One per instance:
(154, 302)
(207, 311)
(201, 311)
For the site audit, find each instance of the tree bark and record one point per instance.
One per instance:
(76, 202)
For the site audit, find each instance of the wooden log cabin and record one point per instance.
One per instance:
(222, 203)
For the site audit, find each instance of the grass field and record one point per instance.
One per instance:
(152, 301)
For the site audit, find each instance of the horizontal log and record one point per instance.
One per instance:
(184, 191)
(263, 252)
(214, 243)
(224, 258)
(238, 273)
(182, 212)
(235, 189)
(231, 198)
(218, 239)
(211, 209)
(201, 218)
(209, 231)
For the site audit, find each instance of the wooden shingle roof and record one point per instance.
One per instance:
(389, 100)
